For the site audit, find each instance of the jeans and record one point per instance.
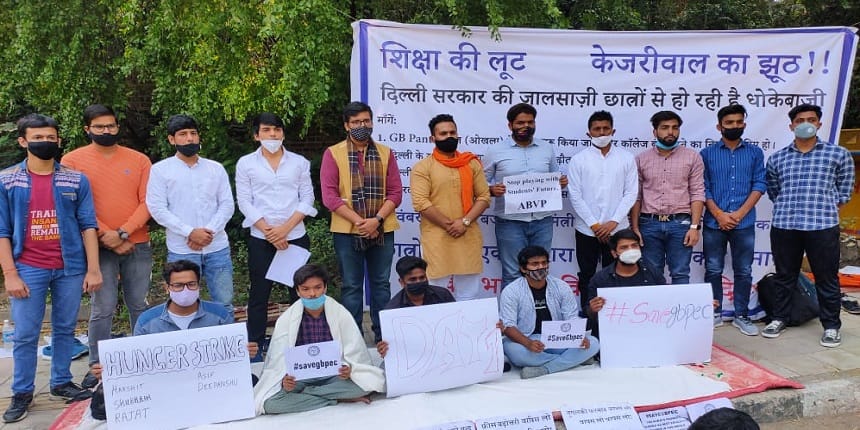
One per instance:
(260, 255)
(742, 243)
(217, 269)
(589, 251)
(28, 314)
(822, 251)
(664, 240)
(513, 236)
(554, 360)
(134, 271)
(377, 262)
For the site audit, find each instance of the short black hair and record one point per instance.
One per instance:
(805, 107)
(409, 263)
(442, 117)
(180, 266)
(94, 111)
(35, 120)
(521, 108)
(180, 122)
(266, 118)
(624, 233)
(600, 115)
(665, 115)
(732, 109)
(354, 108)
(725, 419)
(530, 252)
(309, 271)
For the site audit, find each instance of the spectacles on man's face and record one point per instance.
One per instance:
(361, 122)
(179, 286)
(100, 128)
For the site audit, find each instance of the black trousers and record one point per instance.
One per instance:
(589, 251)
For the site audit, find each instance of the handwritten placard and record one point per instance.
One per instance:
(314, 360)
(454, 425)
(620, 416)
(177, 379)
(656, 325)
(666, 419)
(441, 346)
(536, 420)
(533, 192)
(563, 334)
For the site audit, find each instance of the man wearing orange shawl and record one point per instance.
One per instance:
(450, 192)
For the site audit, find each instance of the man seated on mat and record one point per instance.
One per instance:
(316, 318)
(529, 301)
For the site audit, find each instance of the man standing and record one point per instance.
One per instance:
(734, 182)
(450, 191)
(360, 185)
(671, 199)
(808, 181)
(604, 184)
(118, 176)
(275, 193)
(48, 244)
(190, 196)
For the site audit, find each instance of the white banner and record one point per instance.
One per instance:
(410, 73)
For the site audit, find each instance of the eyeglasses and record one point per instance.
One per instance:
(360, 122)
(179, 286)
(100, 128)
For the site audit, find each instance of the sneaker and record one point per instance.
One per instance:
(70, 391)
(79, 349)
(849, 304)
(89, 381)
(529, 372)
(718, 320)
(745, 325)
(831, 338)
(774, 329)
(17, 410)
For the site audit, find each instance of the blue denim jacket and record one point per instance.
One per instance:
(156, 319)
(72, 200)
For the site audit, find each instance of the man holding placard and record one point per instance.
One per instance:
(529, 301)
(519, 154)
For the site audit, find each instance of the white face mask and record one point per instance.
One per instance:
(272, 145)
(601, 141)
(630, 256)
(185, 297)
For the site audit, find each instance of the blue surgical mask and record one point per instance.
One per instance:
(314, 304)
(665, 145)
(805, 130)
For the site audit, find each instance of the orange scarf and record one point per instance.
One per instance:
(461, 163)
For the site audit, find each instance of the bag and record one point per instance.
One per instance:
(804, 299)
(97, 405)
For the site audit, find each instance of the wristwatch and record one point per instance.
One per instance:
(380, 219)
(467, 222)
(122, 233)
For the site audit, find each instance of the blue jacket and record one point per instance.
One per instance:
(72, 200)
(156, 319)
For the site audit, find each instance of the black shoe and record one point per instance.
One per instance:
(70, 391)
(97, 406)
(849, 304)
(89, 382)
(17, 410)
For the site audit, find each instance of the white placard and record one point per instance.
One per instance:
(536, 420)
(660, 325)
(533, 192)
(286, 262)
(441, 346)
(666, 419)
(620, 416)
(314, 360)
(454, 425)
(696, 410)
(563, 334)
(177, 379)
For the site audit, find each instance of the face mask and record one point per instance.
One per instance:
(188, 150)
(666, 146)
(314, 304)
(538, 274)
(523, 134)
(185, 297)
(805, 131)
(417, 288)
(601, 141)
(103, 139)
(447, 145)
(361, 134)
(44, 150)
(733, 133)
(630, 256)
(272, 145)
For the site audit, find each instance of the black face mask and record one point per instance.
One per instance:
(447, 145)
(44, 150)
(188, 150)
(523, 134)
(417, 288)
(733, 133)
(104, 139)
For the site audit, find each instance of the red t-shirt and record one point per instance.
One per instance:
(42, 239)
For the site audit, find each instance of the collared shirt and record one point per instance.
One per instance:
(330, 181)
(157, 319)
(509, 159)
(602, 188)
(274, 195)
(730, 177)
(313, 330)
(806, 188)
(432, 296)
(517, 305)
(182, 197)
(669, 185)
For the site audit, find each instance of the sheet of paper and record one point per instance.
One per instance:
(532, 192)
(285, 264)
(313, 360)
(609, 416)
(696, 410)
(563, 334)
(536, 420)
(666, 419)
(454, 425)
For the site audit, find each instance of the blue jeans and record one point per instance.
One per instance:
(554, 360)
(217, 269)
(513, 236)
(377, 261)
(664, 240)
(742, 243)
(28, 315)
